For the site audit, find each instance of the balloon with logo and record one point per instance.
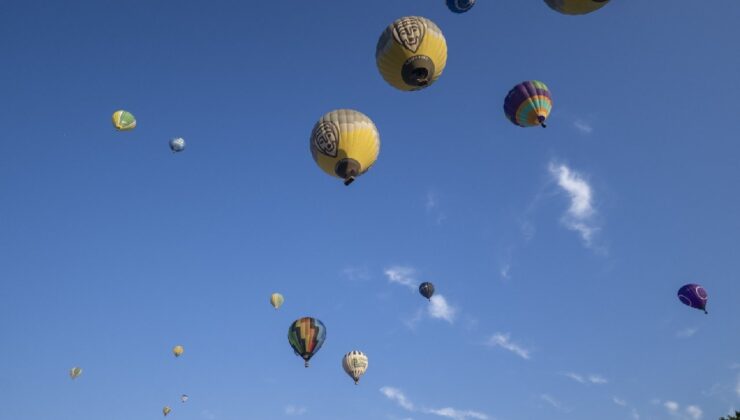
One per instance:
(576, 7)
(411, 53)
(355, 364)
(528, 104)
(306, 336)
(693, 295)
(345, 143)
(123, 120)
(460, 6)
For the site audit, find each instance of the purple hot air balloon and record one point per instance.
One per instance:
(693, 295)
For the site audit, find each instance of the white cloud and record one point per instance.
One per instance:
(694, 412)
(553, 402)
(619, 401)
(504, 341)
(396, 395)
(576, 377)
(686, 333)
(402, 275)
(440, 309)
(457, 414)
(671, 406)
(583, 127)
(292, 410)
(594, 379)
(597, 379)
(580, 214)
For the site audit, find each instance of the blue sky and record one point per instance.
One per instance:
(556, 253)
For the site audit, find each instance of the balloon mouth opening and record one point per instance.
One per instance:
(418, 71)
(347, 169)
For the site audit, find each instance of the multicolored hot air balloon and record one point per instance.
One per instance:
(460, 6)
(177, 144)
(166, 410)
(306, 336)
(178, 350)
(426, 289)
(75, 372)
(528, 104)
(411, 53)
(576, 7)
(355, 364)
(276, 300)
(345, 143)
(693, 295)
(123, 120)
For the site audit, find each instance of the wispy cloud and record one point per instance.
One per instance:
(619, 401)
(694, 412)
(439, 308)
(584, 379)
(396, 395)
(431, 204)
(553, 402)
(691, 412)
(292, 410)
(356, 273)
(687, 332)
(504, 341)
(671, 406)
(583, 126)
(405, 276)
(580, 215)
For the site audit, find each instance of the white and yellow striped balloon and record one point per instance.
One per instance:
(276, 300)
(355, 364)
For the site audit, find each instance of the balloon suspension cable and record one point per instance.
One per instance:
(349, 180)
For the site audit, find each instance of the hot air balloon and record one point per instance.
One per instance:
(345, 144)
(178, 350)
(411, 53)
(576, 7)
(123, 120)
(306, 336)
(528, 104)
(166, 410)
(693, 295)
(276, 300)
(460, 6)
(355, 364)
(426, 289)
(177, 144)
(75, 372)
(183, 398)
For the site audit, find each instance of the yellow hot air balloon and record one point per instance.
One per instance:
(124, 120)
(75, 372)
(411, 53)
(276, 300)
(345, 143)
(576, 7)
(178, 350)
(166, 410)
(355, 364)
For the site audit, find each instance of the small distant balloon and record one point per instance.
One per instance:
(166, 410)
(177, 144)
(355, 364)
(276, 300)
(693, 295)
(123, 120)
(460, 6)
(75, 372)
(178, 351)
(184, 398)
(426, 289)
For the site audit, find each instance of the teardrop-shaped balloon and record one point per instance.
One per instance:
(528, 104)
(75, 372)
(576, 7)
(411, 53)
(693, 295)
(355, 364)
(184, 398)
(460, 6)
(345, 143)
(166, 410)
(177, 144)
(276, 300)
(124, 120)
(426, 289)
(306, 336)
(178, 350)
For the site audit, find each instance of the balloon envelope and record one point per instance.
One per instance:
(693, 295)
(183, 398)
(178, 351)
(355, 364)
(166, 410)
(460, 6)
(306, 336)
(75, 372)
(124, 120)
(528, 104)
(177, 144)
(276, 300)
(576, 7)
(426, 289)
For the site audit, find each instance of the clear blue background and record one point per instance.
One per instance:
(113, 250)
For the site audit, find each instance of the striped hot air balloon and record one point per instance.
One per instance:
(276, 300)
(123, 120)
(576, 7)
(528, 104)
(306, 336)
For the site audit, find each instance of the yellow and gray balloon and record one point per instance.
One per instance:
(411, 53)
(355, 364)
(166, 410)
(178, 350)
(345, 143)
